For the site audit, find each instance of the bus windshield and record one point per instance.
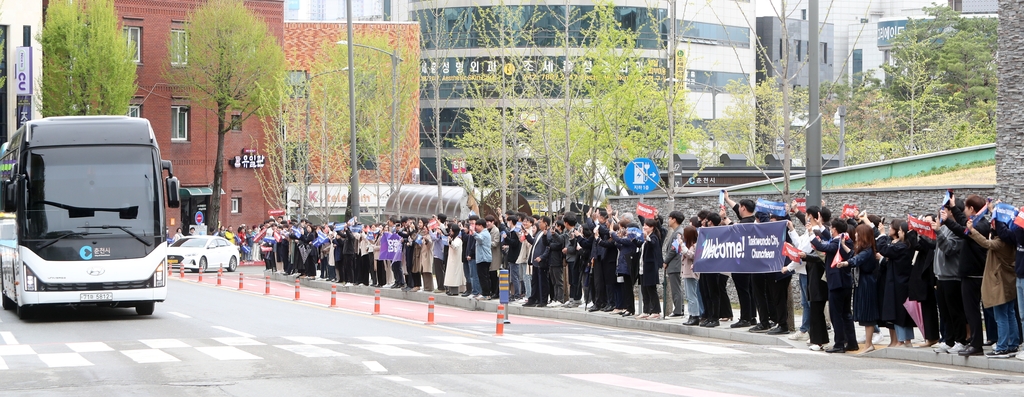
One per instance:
(78, 189)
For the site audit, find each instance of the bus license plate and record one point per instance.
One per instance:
(102, 296)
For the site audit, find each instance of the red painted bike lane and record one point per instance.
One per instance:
(417, 311)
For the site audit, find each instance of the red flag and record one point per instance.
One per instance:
(839, 258)
(849, 211)
(432, 224)
(646, 211)
(921, 227)
(1019, 220)
(801, 205)
(791, 252)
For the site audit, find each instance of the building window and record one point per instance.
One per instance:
(179, 123)
(824, 53)
(799, 54)
(133, 38)
(236, 122)
(858, 66)
(134, 110)
(179, 48)
(803, 14)
(236, 205)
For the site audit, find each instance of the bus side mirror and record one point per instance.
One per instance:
(173, 195)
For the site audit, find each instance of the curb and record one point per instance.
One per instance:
(921, 355)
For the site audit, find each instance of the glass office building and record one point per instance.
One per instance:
(716, 38)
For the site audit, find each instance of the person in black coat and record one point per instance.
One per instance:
(651, 260)
(840, 287)
(922, 285)
(972, 263)
(865, 298)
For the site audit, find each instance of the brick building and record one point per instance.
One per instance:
(304, 43)
(187, 134)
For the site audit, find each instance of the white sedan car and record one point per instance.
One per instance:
(202, 253)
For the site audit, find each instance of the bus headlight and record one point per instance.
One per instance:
(30, 279)
(159, 277)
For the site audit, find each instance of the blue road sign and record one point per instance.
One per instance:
(641, 175)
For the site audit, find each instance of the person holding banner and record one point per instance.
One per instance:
(897, 249)
(998, 286)
(865, 295)
(840, 288)
(743, 282)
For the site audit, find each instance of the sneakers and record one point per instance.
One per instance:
(816, 348)
(957, 348)
(877, 339)
(1000, 354)
(799, 336)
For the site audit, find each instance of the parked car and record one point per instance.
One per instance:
(203, 253)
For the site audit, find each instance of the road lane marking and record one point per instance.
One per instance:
(389, 350)
(61, 360)
(394, 378)
(545, 349)
(227, 353)
(89, 347)
(16, 350)
(428, 390)
(457, 339)
(376, 367)
(523, 339)
(311, 351)
(3, 364)
(648, 386)
(239, 341)
(468, 350)
(311, 340)
(614, 347)
(179, 315)
(9, 338)
(164, 343)
(384, 340)
(698, 347)
(231, 331)
(147, 356)
(791, 350)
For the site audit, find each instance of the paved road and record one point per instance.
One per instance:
(216, 341)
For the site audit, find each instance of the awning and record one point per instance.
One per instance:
(421, 201)
(187, 192)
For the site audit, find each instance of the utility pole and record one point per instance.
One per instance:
(812, 178)
(672, 102)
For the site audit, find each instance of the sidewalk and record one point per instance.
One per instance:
(675, 325)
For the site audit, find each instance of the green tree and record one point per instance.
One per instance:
(231, 56)
(87, 68)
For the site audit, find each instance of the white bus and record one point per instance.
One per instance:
(82, 201)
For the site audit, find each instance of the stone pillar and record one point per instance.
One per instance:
(1010, 111)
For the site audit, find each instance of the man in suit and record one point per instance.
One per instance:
(556, 267)
(840, 285)
(539, 260)
(674, 266)
(744, 282)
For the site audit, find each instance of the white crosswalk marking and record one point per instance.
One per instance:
(231, 331)
(312, 340)
(523, 339)
(164, 343)
(89, 347)
(3, 364)
(705, 348)
(227, 353)
(239, 341)
(61, 360)
(311, 351)
(457, 339)
(376, 367)
(428, 389)
(468, 350)
(385, 340)
(147, 356)
(179, 315)
(593, 339)
(545, 349)
(622, 348)
(790, 350)
(8, 338)
(16, 350)
(389, 350)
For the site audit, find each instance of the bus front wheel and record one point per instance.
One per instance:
(24, 312)
(145, 308)
(9, 304)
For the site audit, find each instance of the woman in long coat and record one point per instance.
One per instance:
(865, 296)
(896, 288)
(650, 261)
(454, 276)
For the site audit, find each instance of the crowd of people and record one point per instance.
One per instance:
(956, 279)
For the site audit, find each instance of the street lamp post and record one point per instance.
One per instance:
(840, 121)
(395, 59)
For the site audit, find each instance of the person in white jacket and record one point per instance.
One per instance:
(803, 243)
(454, 276)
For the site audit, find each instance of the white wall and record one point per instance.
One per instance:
(15, 14)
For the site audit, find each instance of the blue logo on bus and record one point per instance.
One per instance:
(85, 252)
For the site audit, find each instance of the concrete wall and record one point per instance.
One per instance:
(1010, 111)
(890, 202)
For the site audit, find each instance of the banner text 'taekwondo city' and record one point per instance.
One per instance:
(740, 248)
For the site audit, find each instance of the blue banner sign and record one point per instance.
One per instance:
(741, 248)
